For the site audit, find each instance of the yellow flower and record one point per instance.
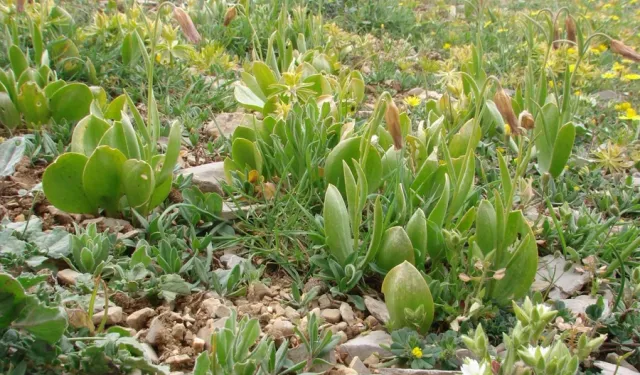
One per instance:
(595, 51)
(551, 84)
(507, 129)
(603, 47)
(631, 114)
(609, 75)
(412, 101)
(577, 93)
(631, 77)
(500, 150)
(618, 67)
(446, 46)
(607, 6)
(623, 106)
(576, 188)
(572, 51)
(614, 18)
(502, 30)
(417, 352)
(486, 24)
(572, 68)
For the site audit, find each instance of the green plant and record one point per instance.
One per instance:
(90, 250)
(529, 342)
(24, 312)
(418, 352)
(37, 95)
(112, 159)
(408, 298)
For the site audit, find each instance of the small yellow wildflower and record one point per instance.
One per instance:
(595, 51)
(446, 46)
(502, 30)
(572, 51)
(572, 68)
(631, 114)
(607, 6)
(442, 162)
(487, 24)
(412, 101)
(614, 18)
(500, 150)
(618, 67)
(382, 26)
(551, 84)
(507, 129)
(577, 93)
(631, 77)
(623, 106)
(417, 352)
(609, 75)
(576, 188)
(602, 47)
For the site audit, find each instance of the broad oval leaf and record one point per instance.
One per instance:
(138, 182)
(405, 290)
(396, 248)
(348, 150)
(102, 178)
(71, 102)
(87, 134)
(63, 186)
(336, 225)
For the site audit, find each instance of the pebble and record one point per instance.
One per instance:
(377, 308)
(331, 315)
(138, 319)
(114, 316)
(178, 331)
(347, 313)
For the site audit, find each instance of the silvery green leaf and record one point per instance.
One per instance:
(11, 152)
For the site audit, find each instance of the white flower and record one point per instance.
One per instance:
(542, 308)
(534, 349)
(472, 367)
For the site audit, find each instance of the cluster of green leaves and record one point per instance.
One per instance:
(235, 350)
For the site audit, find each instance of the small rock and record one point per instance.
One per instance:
(60, 216)
(608, 95)
(138, 319)
(205, 332)
(312, 283)
(178, 359)
(347, 313)
(291, 313)
(68, 276)
(222, 311)
(258, 291)
(417, 91)
(579, 304)
(561, 276)
(357, 365)
(342, 326)
(372, 360)
(178, 331)
(210, 305)
(614, 358)
(330, 315)
(324, 302)
(610, 369)
(365, 345)
(113, 225)
(377, 308)
(231, 260)
(207, 177)
(157, 331)
(281, 328)
(198, 344)
(114, 316)
(371, 322)
(343, 337)
(341, 370)
(188, 337)
(225, 123)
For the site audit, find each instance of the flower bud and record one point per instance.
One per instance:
(570, 25)
(505, 107)
(392, 117)
(186, 24)
(20, 6)
(526, 120)
(624, 50)
(230, 15)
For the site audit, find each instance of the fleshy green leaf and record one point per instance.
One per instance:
(71, 102)
(102, 178)
(63, 187)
